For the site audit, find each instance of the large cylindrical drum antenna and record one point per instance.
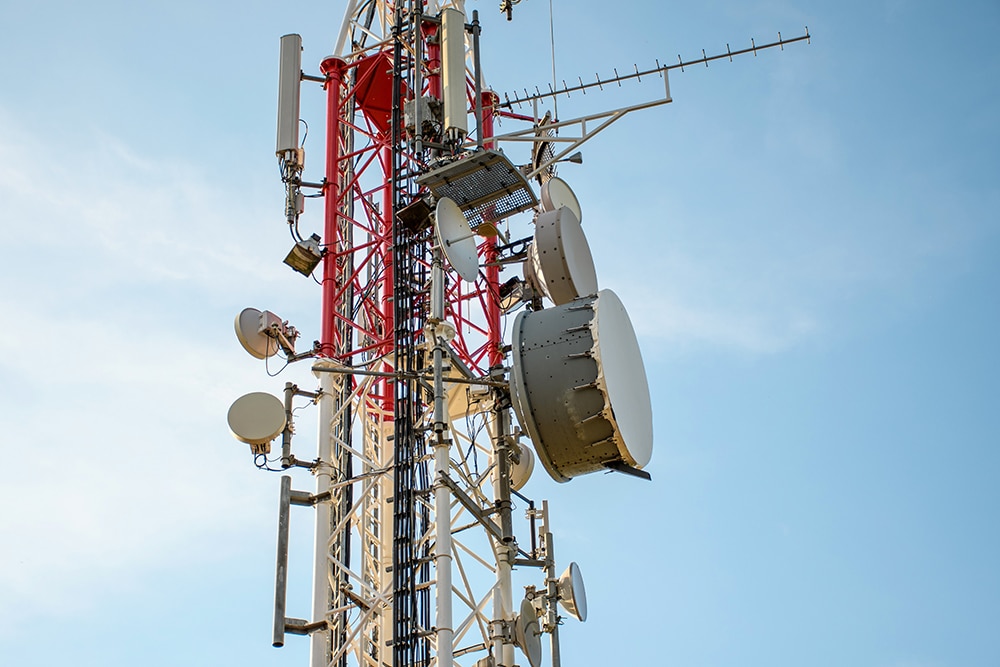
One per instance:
(579, 387)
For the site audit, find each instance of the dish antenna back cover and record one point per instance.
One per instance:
(249, 324)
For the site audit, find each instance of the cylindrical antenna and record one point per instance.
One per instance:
(456, 121)
(478, 78)
(289, 81)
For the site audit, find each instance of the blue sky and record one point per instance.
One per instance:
(806, 241)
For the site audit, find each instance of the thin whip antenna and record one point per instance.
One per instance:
(552, 41)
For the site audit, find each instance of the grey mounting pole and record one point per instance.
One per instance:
(438, 350)
(442, 494)
(418, 79)
(286, 435)
(552, 592)
(502, 445)
(479, 79)
(281, 568)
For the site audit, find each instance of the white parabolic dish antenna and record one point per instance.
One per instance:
(248, 332)
(520, 472)
(579, 387)
(556, 194)
(527, 633)
(572, 595)
(257, 418)
(559, 262)
(456, 239)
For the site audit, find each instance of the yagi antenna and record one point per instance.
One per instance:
(566, 89)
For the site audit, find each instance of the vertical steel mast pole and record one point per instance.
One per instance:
(442, 494)
(333, 69)
(503, 597)
(488, 102)
(331, 397)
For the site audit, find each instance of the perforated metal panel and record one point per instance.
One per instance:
(485, 185)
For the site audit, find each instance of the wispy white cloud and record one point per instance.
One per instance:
(117, 378)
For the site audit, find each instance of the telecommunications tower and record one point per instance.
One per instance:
(434, 243)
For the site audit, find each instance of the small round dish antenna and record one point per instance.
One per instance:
(248, 331)
(257, 419)
(556, 194)
(572, 594)
(457, 240)
(520, 472)
(559, 263)
(527, 634)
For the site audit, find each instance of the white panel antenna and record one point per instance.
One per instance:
(289, 83)
(456, 105)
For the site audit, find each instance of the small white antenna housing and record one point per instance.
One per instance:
(456, 104)
(289, 83)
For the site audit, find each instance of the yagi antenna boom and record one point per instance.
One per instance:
(509, 102)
